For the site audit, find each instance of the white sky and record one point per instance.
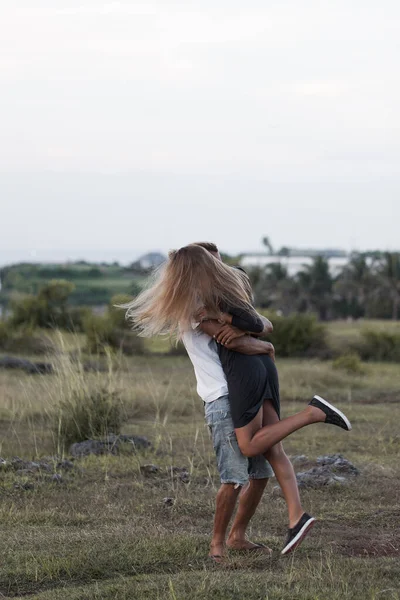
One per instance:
(129, 126)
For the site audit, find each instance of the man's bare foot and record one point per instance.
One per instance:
(246, 545)
(217, 552)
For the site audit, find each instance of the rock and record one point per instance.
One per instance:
(27, 485)
(95, 447)
(338, 463)
(318, 477)
(110, 444)
(56, 478)
(149, 470)
(4, 464)
(136, 441)
(33, 368)
(168, 501)
(65, 464)
(94, 366)
(180, 473)
(29, 465)
(300, 459)
(24, 472)
(330, 470)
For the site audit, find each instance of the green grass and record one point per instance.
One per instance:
(105, 533)
(343, 333)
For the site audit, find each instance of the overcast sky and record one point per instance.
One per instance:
(129, 126)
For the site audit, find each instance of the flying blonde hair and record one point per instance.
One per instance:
(191, 279)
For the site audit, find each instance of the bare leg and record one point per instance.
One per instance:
(283, 470)
(253, 439)
(249, 499)
(224, 506)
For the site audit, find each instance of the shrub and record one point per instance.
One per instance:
(380, 345)
(177, 349)
(5, 333)
(102, 334)
(99, 332)
(87, 415)
(298, 335)
(47, 309)
(117, 314)
(76, 318)
(24, 340)
(351, 363)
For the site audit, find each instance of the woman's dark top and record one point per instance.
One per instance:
(251, 379)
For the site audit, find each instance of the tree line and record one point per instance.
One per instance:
(367, 287)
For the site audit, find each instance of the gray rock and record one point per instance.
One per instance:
(149, 470)
(330, 470)
(27, 485)
(96, 447)
(33, 368)
(137, 442)
(111, 444)
(65, 464)
(56, 478)
(317, 477)
(180, 473)
(338, 463)
(94, 366)
(169, 501)
(300, 459)
(18, 464)
(24, 472)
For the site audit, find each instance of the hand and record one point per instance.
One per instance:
(227, 333)
(203, 314)
(225, 318)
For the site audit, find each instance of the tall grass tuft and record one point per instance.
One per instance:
(86, 405)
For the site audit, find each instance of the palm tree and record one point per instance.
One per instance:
(315, 287)
(355, 284)
(388, 273)
(267, 243)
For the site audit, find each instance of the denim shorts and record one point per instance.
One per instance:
(233, 466)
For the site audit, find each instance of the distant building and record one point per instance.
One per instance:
(151, 260)
(293, 264)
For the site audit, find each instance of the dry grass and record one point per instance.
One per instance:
(105, 533)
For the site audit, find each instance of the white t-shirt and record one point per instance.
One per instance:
(202, 351)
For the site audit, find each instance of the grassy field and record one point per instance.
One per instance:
(95, 284)
(105, 532)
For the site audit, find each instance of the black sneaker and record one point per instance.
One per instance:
(333, 415)
(297, 534)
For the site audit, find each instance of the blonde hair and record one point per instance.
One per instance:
(192, 278)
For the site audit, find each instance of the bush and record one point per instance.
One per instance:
(177, 349)
(117, 314)
(298, 335)
(351, 363)
(102, 334)
(76, 318)
(5, 333)
(48, 309)
(24, 340)
(380, 345)
(89, 415)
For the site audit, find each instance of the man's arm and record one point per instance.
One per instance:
(268, 327)
(244, 344)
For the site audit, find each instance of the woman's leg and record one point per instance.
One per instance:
(283, 469)
(253, 439)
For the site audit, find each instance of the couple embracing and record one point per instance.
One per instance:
(208, 304)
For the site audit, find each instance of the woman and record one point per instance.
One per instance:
(194, 282)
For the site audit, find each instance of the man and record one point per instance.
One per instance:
(241, 477)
